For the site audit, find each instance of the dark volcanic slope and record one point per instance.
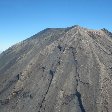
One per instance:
(58, 70)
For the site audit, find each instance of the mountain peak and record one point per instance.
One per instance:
(107, 32)
(58, 69)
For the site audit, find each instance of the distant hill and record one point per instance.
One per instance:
(58, 70)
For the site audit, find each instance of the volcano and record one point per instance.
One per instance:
(58, 70)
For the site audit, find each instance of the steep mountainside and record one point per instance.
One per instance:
(58, 70)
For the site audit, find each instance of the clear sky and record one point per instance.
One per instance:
(20, 19)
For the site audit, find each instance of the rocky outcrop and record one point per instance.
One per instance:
(58, 70)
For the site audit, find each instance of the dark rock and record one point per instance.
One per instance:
(58, 70)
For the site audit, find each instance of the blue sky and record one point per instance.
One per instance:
(20, 19)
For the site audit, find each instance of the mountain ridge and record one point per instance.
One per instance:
(58, 70)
